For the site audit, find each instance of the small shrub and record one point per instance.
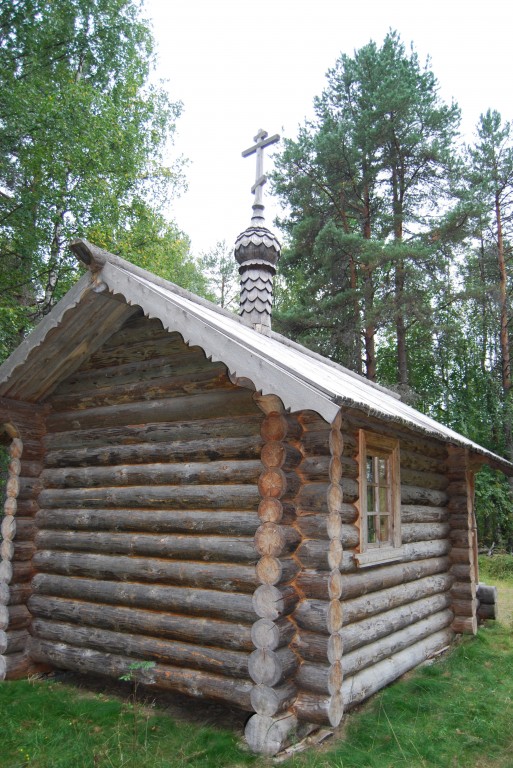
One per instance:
(496, 567)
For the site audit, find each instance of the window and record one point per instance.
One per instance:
(380, 499)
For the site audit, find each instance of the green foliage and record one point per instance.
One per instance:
(365, 186)
(82, 137)
(221, 272)
(50, 725)
(494, 512)
(496, 567)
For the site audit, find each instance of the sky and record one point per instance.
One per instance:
(240, 66)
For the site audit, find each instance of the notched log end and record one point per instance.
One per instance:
(94, 258)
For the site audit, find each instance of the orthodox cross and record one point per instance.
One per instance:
(261, 141)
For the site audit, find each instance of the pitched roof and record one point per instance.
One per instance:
(113, 289)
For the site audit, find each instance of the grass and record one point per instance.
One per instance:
(456, 712)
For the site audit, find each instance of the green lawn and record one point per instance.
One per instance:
(455, 712)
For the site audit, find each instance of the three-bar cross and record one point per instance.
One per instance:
(261, 141)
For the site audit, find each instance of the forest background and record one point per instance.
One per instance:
(398, 236)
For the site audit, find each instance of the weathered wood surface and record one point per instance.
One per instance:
(164, 677)
(208, 449)
(187, 655)
(316, 677)
(14, 641)
(220, 549)
(212, 521)
(216, 576)
(272, 668)
(315, 707)
(414, 513)
(313, 614)
(270, 701)
(270, 635)
(105, 438)
(315, 584)
(204, 406)
(218, 633)
(189, 601)
(197, 473)
(361, 685)
(161, 496)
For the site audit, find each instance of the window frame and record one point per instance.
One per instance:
(379, 446)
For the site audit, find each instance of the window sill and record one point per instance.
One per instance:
(378, 556)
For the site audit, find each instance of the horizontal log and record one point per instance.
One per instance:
(414, 513)
(318, 443)
(203, 472)
(217, 548)
(165, 380)
(279, 455)
(312, 497)
(218, 576)
(163, 677)
(272, 668)
(461, 539)
(466, 625)
(204, 406)
(315, 526)
(313, 614)
(29, 487)
(270, 602)
(188, 655)
(16, 572)
(463, 590)
(274, 571)
(424, 496)
(315, 584)
(319, 678)
(270, 635)
(356, 688)
(155, 366)
(13, 641)
(272, 539)
(420, 478)
(215, 521)
(208, 449)
(317, 468)
(19, 528)
(373, 652)
(464, 607)
(278, 426)
(163, 496)
(486, 594)
(319, 708)
(158, 622)
(423, 531)
(17, 550)
(315, 554)
(277, 484)
(462, 572)
(192, 602)
(461, 556)
(224, 427)
(18, 593)
(415, 460)
(487, 611)
(15, 666)
(14, 617)
(270, 701)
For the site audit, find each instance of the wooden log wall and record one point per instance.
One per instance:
(390, 616)
(22, 426)
(464, 546)
(145, 543)
(273, 663)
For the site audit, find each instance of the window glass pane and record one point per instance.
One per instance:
(370, 470)
(384, 529)
(371, 529)
(383, 500)
(371, 498)
(382, 470)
